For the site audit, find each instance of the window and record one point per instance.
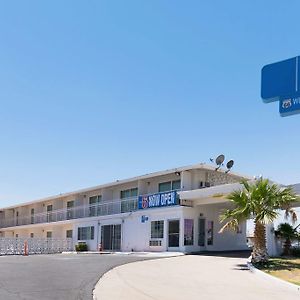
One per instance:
(69, 234)
(169, 186)
(165, 186)
(70, 211)
(32, 215)
(95, 199)
(32, 235)
(129, 193)
(94, 209)
(188, 232)
(129, 204)
(49, 213)
(85, 233)
(157, 229)
(49, 234)
(176, 185)
(210, 232)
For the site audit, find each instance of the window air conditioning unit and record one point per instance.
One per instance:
(155, 243)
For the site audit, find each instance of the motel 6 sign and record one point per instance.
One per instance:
(280, 81)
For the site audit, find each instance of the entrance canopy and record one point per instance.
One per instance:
(217, 194)
(210, 195)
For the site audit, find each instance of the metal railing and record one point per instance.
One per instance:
(16, 246)
(77, 212)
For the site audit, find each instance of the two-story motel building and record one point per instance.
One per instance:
(172, 210)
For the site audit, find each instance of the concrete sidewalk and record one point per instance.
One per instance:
(190, 277)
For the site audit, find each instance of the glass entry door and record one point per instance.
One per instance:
(111, 237)
(173, 233)
(201, 233)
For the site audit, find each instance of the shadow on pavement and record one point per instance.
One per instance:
(241, 267)
(233, 254)
(230, 254)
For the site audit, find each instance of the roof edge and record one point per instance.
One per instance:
(123, 181)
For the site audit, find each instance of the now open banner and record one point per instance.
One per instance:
(158, 200)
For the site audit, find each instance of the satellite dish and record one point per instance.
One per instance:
(229, 165)
(219, 161)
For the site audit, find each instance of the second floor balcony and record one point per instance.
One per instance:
(77, 212)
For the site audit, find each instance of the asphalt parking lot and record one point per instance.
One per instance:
(59, 277)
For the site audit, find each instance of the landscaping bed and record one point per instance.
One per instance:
(286, 268)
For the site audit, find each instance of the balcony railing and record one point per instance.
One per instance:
(77, 212)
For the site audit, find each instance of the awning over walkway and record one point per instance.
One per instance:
(210, 195)
(217, 194)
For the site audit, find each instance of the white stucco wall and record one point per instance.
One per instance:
(225, 241)
(135, 235)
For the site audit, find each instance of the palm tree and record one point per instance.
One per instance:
(287, 232)
(261, 201)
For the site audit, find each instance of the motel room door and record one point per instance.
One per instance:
(111, 237)
(201, 233)
(173, 234)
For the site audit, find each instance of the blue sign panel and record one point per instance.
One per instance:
(279, 79)
(289, 106)
(158, 200)
(281, 82)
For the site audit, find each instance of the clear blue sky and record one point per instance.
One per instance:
(94, 91)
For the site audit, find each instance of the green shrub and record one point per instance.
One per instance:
(81, 247)
(295, 251)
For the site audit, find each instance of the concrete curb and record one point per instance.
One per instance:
(271, 277)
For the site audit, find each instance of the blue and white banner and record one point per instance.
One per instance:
(289, 106)
(158, 200)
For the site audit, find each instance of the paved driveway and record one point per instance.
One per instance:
(59, 277)
(191, 277)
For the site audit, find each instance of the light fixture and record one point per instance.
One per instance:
(177, 173)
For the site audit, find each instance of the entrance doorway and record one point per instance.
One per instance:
(111, 237)
(201, 232)
(173, 233)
